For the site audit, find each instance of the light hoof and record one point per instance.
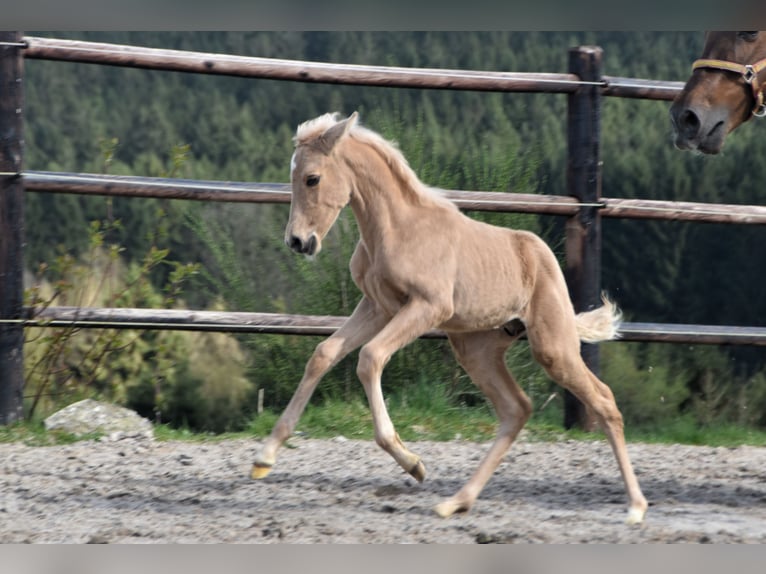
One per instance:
(635, 516)
(260, 471)
(418, 471)
(449, 507)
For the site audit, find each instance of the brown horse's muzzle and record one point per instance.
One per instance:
(698, 127)
(719, 96)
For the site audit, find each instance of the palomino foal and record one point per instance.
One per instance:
(421, 264)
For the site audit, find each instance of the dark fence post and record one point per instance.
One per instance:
(583, 231)
(11, 228)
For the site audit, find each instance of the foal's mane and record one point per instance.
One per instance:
(414, 189)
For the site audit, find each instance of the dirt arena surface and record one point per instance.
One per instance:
(344, 491)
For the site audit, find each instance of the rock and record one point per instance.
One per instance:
(111, 421)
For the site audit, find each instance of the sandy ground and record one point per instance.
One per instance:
(343, 491)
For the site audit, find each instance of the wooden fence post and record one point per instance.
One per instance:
(11, 228)
(583, 231)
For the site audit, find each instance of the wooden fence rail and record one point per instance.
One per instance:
(328, 73)
(244, 192)
(291, 324)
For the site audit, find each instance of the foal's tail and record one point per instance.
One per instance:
(600, 324)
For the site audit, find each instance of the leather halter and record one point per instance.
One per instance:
(749, 73)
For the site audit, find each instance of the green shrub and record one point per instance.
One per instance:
(647, 390)
(177, 377)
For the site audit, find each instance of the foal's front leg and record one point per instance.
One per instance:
(360, 327)
(414, 319)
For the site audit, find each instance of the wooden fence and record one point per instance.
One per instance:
(584, 85)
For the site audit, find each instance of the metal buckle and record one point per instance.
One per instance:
(760, 111)
(749, 74)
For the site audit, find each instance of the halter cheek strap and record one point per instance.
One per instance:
(749, 73)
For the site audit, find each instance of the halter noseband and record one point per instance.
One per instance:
(749, 73)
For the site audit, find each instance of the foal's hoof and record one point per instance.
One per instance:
(449, 507)
(418, 471)
(260, 471)
(635, 516)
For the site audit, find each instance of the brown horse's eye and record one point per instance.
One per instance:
(312, 180)
(748, 36)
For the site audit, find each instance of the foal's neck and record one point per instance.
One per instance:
(381, 199)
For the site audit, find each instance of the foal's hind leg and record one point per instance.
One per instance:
(554, 342)
(482, 355)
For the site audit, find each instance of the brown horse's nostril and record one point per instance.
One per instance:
(689, 124)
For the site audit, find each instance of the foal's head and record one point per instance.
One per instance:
(321, 183)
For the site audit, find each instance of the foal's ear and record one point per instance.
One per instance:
(335, 133)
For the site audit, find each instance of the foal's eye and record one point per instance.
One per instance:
(748, 36)
(312, 180)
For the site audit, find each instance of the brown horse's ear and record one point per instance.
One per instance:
(335, 133)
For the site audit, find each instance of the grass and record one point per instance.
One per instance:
(417, 417)
(34, 433)
(354, 421)
(685, 430)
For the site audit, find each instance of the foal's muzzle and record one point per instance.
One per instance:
(298, 245)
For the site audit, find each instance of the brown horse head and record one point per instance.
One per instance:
(725, 90)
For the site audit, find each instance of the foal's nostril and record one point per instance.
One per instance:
(311, 245)
(307, 247)
(295, 244)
